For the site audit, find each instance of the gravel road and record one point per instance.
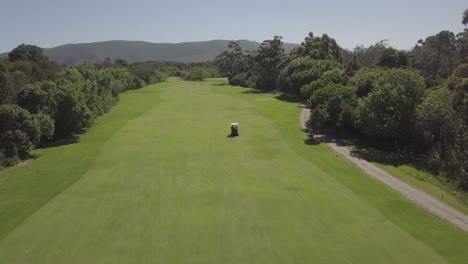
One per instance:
(422, 199)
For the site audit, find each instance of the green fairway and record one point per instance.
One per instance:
(157, 181)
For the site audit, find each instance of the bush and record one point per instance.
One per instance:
(18, 133)
(158, 77)
(364, 80)
(45, 124)
(388, 113)
(197, 74)
(32, 109)
(332, 107)
(303, 71)
(336, 76)
(239, 79)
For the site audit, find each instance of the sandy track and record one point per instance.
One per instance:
(427, 202)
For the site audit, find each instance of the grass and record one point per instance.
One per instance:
(429, 184)
(402, 168)
(157, 181)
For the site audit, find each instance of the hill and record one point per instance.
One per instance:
(138, 51)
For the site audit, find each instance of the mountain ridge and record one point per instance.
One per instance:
(140, 51)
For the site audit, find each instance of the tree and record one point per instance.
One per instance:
(6, 93)
(18, 132)
(31, 61)
(442, 134)
(465, 17)
(144, 71)
(15, 82)
(34, 109)
(27, 53)
(107, 61)
(120, 62)
(352, 65)
(45, 124)
(436, 57)
(158, 76)
(268, 60)
(462, 39)
(387, 114)
(458, 82)
(392, 58)
(72, 113)
(333, 76)
(317, 48)
(366, 57)
(49, 104)
(436, 119)
(232, 62)
(365, 79)
(197, 74)
(303, 71)
(332, 107)
(31, 98)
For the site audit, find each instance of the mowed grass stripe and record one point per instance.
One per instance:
(25, 189)
(437, 234)
(169, 187)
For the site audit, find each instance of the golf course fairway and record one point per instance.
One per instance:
(157, 180)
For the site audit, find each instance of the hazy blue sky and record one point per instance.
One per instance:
(49, 23)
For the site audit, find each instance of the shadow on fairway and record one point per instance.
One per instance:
(288, 98)
(221, 84)
(72, 139)
(363, 149)
(384, 157)
(312, 141)
(255, 91)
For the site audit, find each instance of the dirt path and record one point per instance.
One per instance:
(420, 198)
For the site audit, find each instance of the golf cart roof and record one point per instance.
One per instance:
(234, 124)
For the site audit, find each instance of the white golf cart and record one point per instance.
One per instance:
(234, 130)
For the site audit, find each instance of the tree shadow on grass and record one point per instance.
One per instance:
(71, 139)
(363, 148)
(384, 157)
(31, 157)
(256, 91)
(221, 84)
(312, 141)
(290, 98)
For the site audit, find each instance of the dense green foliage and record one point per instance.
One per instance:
(387, 113)
(333, 106)
(267, 63)
(18, 132)
(437, 56)
(257, 69)
(413, 102)
(40, 101)
(233, 62)
(317, 48)
(303, 72)
(196, 74)
(442, 132)
(154, 72)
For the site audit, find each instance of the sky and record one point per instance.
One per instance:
(50, 23)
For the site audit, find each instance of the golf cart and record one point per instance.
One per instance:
(234, 130)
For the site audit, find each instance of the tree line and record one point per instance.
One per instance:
(157, 71)
(42, 102)
(413, 102)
